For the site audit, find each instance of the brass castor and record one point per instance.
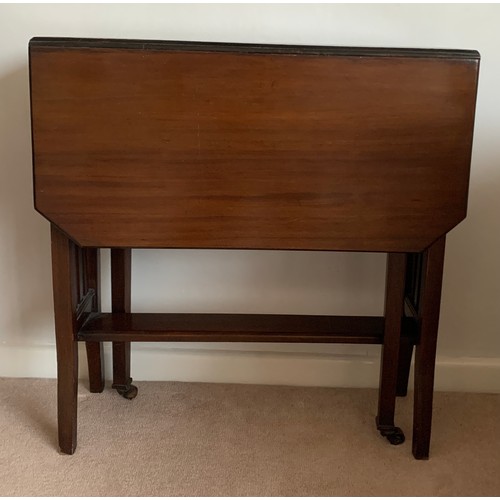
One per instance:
(394, 435)
(127, 391)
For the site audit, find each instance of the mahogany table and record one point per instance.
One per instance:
(148, 144)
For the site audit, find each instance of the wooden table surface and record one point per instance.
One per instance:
(206, 146)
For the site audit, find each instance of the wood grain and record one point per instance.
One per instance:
(198, 146)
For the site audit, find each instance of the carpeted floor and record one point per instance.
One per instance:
(220, 440)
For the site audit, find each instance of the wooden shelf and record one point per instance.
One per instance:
(152, 327)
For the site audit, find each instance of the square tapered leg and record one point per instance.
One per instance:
(64, 277)
(425, 353)
(121, 269)
(393, 314)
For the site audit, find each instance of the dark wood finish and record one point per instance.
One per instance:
(393, 313)
(247, 48)
(85, 306)
(156, 327)
(404, 364)
(121, 269)
(412, 293)
(425, 352)
(202, 146)
(95, 361)
(64, 280)
(95, 355)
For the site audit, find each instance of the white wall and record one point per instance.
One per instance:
(315, 283)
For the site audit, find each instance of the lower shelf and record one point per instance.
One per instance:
(153, 327)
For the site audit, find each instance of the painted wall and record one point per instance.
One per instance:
(229, 281)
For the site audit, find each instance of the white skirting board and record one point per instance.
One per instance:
(462, 374)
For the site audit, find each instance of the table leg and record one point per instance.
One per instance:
(394, 303)
(412, 292)
(405, 355)
(425, 353)
(95, 356)
(121, 267)
(65, 289)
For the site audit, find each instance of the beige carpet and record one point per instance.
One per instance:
(209, 439)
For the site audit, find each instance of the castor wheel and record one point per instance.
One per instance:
(394, 435)
(128, 391)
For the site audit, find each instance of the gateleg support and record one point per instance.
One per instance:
(121, 271)
(404, 365)
(95, 355)
(393, 314)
